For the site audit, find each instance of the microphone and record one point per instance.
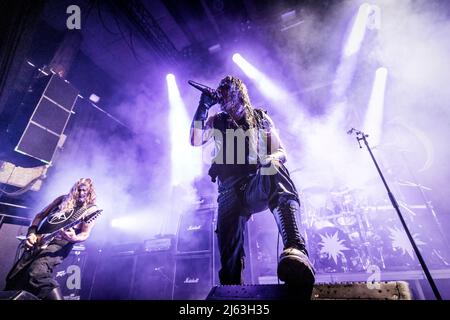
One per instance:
(204, 89)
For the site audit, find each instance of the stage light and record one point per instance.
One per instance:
(288, 16)
(148, 223)
(248, 69)
(266, 86)
(214, 48)
(94, 98)
(358, 30)
(170, 78)
(185, 160)
(349, 57)
(373, 121)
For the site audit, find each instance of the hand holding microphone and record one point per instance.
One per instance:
(209, 96)
(207, 100)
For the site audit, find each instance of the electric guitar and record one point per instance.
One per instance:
(44, 240)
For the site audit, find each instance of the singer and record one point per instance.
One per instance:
(251, 177)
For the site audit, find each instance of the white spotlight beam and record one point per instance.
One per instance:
(185, 161)
(347, 64)
(356, 36)
(266, 86)
(374, 115)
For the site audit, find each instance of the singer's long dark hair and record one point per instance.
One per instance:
(239, 94)
(237, 91)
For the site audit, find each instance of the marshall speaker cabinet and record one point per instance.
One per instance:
(194, 258)
(195, 232)
(193, 277)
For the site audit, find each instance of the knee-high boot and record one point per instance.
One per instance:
(55, 294)
(294, 266)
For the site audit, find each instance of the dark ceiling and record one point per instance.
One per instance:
(121, 36)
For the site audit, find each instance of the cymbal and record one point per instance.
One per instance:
(340, 193)
(411, 184)
(315, 189)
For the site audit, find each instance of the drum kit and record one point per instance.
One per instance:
(348, 234)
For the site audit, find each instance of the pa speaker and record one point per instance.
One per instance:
(113, 277)
(45, 128)
(153, 278)
(17, 295)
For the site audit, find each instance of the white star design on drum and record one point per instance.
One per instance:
(400, 241)
(332, 246)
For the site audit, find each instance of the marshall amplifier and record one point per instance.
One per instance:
(193, 277)
(195, 231)
(70, 272)
(158, 244)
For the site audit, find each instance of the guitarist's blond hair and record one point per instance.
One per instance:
(69, 200)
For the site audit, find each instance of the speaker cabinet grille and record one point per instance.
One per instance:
(51, 116)
(69, 275)
(195, 232)
(38, 143)
(113, 278)
(193, 277)
(46, 125)
(154, 276)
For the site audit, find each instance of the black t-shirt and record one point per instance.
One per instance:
(220, 167)
(58, 219)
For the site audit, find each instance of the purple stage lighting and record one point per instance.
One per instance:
(266, 86)
(358, 30)
(374, 116)
(185, 160)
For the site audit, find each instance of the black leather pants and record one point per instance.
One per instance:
(239, 197)
(37, 277)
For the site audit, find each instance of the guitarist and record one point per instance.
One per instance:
(35, 274)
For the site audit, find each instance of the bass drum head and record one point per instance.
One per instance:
(332, 250)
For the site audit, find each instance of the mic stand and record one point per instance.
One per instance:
(426, 200)
(362, 136)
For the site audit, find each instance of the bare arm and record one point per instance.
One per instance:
(70, 234)
(85, 232)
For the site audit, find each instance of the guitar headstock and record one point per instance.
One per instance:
(92, 216)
